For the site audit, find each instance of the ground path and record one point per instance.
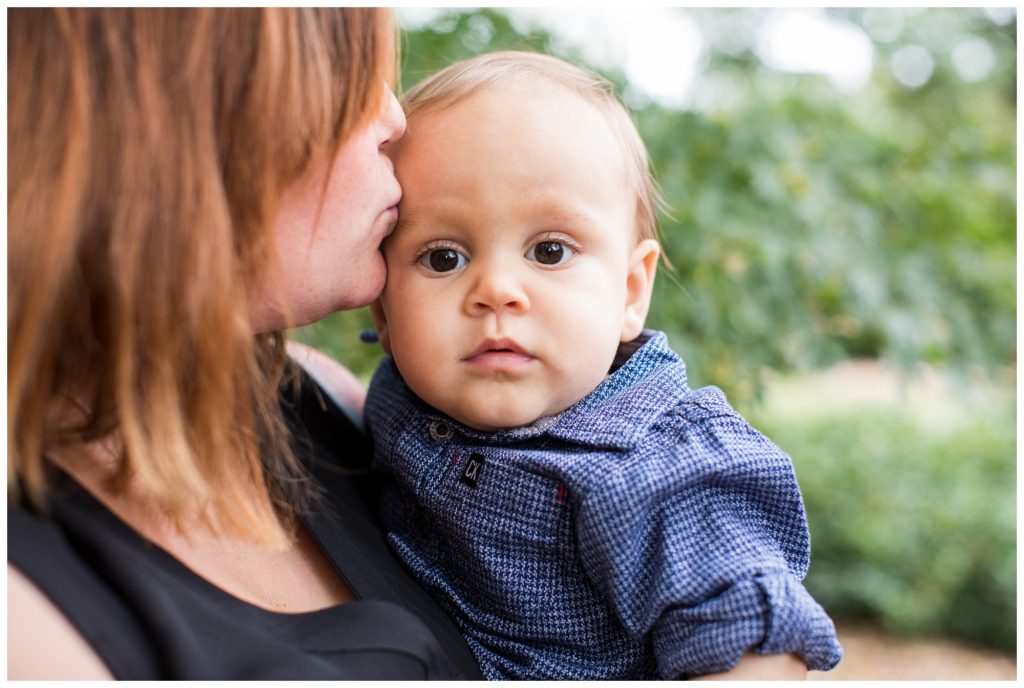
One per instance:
(871, 655)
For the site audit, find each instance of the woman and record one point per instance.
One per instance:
(182, 186)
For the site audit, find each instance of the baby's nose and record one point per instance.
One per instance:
(497, 290)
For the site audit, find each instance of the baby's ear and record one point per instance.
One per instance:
(380, 321)
(643, 263)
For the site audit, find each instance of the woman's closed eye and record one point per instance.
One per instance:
(550, 252)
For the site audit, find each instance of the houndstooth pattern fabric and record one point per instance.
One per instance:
(647, 532)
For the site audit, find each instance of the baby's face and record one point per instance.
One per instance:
(512, 274)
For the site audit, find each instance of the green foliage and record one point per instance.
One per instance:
(810, 226)
(804, 236)
(459, 35)
(338, 335)
(913, 525)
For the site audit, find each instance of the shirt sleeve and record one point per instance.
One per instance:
(699, 540)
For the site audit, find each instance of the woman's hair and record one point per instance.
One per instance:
(147, 152)
(463, 79)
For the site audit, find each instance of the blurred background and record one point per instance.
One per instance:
(842, 227)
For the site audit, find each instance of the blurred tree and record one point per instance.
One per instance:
(812, 225)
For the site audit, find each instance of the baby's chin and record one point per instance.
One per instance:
(503, 405)
(498, 420)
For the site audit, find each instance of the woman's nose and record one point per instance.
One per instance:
(391, 121)
(496, 290)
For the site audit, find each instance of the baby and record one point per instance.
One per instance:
(552, 480)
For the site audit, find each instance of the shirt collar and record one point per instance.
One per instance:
(617, 413)
(623, 407)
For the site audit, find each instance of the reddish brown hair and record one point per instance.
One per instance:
(147, 152)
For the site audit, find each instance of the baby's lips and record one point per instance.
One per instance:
(499, 344)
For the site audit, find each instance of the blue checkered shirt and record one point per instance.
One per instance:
(648, 531)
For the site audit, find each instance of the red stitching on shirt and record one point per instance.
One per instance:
(561, 493)
(455, 458)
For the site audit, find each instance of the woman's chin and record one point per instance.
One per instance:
(359, 288)
(366, 286)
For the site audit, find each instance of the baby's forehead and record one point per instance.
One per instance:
(524, 88)
(516, 106)
(535, 78)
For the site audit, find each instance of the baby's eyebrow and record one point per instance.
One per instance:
(453, 216)
(435, 214)
(408, 223)
(558, 211)
(413, 230)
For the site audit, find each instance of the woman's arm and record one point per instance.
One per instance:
(41, 642)
(752, 667)
(344, 387)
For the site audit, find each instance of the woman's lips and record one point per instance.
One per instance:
(391, 212)
(390, 218)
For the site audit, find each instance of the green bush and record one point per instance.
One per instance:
(913, 525)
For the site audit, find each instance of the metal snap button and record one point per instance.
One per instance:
(440, 431)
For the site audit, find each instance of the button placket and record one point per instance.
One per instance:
(442, 435)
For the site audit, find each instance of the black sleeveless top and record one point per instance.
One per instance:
(148, 616)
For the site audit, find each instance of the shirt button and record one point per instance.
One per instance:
(440, 431)
(422, 525)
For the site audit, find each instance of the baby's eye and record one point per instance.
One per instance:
(443, 260)
(550, 253)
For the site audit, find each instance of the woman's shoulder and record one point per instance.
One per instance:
(37, 630)
(57, 595)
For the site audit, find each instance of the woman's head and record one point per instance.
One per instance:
(158, 161)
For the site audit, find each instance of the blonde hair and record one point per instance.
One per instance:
(147, 152)
(463, 79)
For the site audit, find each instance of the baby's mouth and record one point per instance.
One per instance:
(499, 355)
(498, 346)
